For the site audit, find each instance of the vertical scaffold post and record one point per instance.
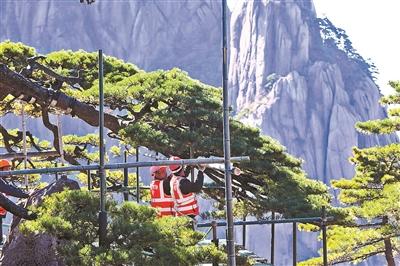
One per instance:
(1, 230)
(227, 146)
(272, 238)
(214, 239)
(24, 145)
(89, 178)
(244, 232)
(126, 175)
(191, 168)
(102, 213)
(324, 244)
(137, 177)
(60, 141)
(56, 175)
(294, 244)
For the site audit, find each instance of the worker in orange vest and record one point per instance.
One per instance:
(162, 202)
(7, 188)
(182, 190)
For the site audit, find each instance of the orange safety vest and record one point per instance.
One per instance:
(161, 201)
(185, 204)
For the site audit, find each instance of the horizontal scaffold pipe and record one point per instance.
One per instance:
(114, 166)
(279, 221)
(122, 188)
(21, 155)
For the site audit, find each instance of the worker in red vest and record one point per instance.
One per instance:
(162, 202)
(7, 188)
(182, 190)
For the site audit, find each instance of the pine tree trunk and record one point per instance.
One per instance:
(389, 252)
(388, 246)
(35, 249)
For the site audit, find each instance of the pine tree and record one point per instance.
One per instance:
(136, 235)
(165, 111)
(371, 197)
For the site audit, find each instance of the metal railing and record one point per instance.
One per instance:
(212, 225)
(126, 165)
(322, 221)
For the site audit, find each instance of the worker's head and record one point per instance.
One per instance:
(158, 172)
(5, 165)
(177, 169)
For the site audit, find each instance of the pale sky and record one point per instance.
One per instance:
(372, 27)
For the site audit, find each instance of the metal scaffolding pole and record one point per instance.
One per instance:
(214, 240)
(1, 230)
(24, 145)
(322, 220)
(280, 221)
(192, 169)
(244, 233)
(114, 166)
(324, 243)
(21, 155)
(56, 175)
(102, 213)
(294, 244)
(60, 141)
(227, 145)
(89, 180)
(272, 238)
(126, 177)
(137, 176)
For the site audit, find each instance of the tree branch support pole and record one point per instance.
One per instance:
(60, 141)
(24, 146)
(324, 243)
(294, 244)
(1, 230)
(214, 239)
(102, 213)
(227, 146)
(137, 176)
(126, 176)
(244, 232)
(89, 180)
(56, 175)
(191, 157)
(272, 238)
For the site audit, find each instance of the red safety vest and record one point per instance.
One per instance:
(185, 204)
(161, 201)
(3, 212)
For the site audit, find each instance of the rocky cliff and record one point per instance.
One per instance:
(299, 79)
(152, 34)
(289, 74)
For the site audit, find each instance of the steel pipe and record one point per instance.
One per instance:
(230, 238)
(21, 155)
(281, 221)
(114, 166)
(102, 174)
